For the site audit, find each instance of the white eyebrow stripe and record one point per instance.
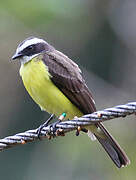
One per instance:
(29, 42)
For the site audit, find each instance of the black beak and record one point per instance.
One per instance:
(16, 55)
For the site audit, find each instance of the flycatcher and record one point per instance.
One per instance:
(55, 83)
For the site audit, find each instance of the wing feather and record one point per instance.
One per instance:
(66, 75)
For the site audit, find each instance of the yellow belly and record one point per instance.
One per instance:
(36, 79)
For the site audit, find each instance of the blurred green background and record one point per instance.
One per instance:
(101, 37)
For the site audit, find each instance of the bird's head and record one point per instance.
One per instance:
(30, 48)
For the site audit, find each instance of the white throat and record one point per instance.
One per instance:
(26, 59)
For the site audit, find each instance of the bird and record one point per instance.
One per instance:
(56, 84)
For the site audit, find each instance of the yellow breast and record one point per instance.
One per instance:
(36, 79)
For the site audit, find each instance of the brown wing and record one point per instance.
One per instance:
(65, 74)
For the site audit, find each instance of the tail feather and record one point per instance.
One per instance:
(113, 149)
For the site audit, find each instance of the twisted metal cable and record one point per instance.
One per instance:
(70, 125)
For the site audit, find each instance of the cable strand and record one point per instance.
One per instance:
(67, 126)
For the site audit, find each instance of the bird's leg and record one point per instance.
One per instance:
(59, 132)
(44, 125)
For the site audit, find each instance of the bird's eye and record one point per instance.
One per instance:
(30, 47)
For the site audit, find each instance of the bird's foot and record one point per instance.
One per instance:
(55, 131)
(53, 128)
(84, 130)
(60, 132)
(80, 129)
(44, 125)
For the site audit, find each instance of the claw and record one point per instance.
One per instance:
(23, 141)
(99, 115)
(49, 137)
(84, 130)
(60, 132)
(78, 130)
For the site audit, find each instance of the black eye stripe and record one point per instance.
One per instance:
(33, 49)
(36, 49)
(28, 51)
